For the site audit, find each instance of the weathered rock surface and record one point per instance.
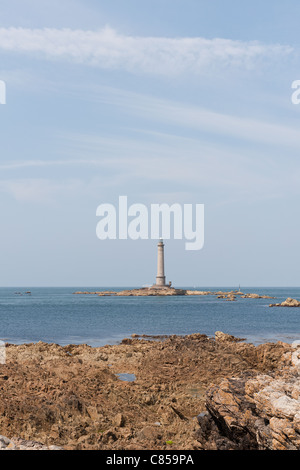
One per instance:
(71, 396)
(224, 337)
(17, 443)
(254, 411)
(289, 302)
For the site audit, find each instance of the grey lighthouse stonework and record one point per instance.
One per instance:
(161, 278)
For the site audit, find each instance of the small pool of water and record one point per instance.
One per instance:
(127, 377)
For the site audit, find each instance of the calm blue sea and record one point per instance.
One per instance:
(57, 315)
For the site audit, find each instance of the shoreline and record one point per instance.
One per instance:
(255, 340)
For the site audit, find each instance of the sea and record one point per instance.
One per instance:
(57, 315)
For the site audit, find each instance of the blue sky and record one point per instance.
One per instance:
(165, 101)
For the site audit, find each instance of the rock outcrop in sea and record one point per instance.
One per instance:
(289, 302)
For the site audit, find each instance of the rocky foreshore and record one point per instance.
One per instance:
(191, 392)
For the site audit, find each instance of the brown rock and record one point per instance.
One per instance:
(255, 412)
(224, 337)
(150, 433)
(119, 420)
(289, 302)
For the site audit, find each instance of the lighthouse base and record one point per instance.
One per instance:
(162, 286)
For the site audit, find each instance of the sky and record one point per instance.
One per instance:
(162, 101)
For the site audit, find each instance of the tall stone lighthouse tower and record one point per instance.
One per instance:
(161, 278)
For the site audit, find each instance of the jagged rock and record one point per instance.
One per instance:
(254, 412)
(224, 337)
(289, 302)
(149, 433)
(16, 443)
(119, 420)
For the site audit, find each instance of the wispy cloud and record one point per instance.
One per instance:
(39, 190)
(201, 119)
(17, 165)
(108, 49)
(107, 164)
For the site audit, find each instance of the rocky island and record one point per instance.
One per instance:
(177, 392)
(169, 291)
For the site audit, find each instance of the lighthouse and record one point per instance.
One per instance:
(161, 278)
